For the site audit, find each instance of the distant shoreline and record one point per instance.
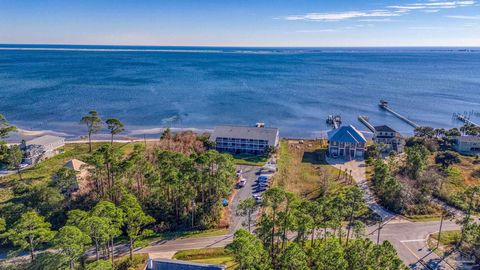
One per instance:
(148, 134)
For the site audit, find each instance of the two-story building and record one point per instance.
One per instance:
(41, 148)
(467, 145)
(240, 139)
(388, 139)
(346, 142)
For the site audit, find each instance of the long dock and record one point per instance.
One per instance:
(384, 105)
(364, 121)
(465, 119)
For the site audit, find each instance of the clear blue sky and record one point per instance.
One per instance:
(242, 22)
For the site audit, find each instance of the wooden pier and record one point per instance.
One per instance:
(465, 119)
(364, 121)
(384, 105)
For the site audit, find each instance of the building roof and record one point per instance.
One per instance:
(75, 164)
(44, 140)
(347, 134)
(384, 128)
(242, 132)
(467, 138)
(166, 264)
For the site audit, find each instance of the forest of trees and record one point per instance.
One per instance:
(175, 184)
(327, 233)
(406, 183)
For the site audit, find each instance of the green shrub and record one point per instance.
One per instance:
(126, 263)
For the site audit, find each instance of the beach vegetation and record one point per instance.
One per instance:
(115, 127)
(94, 124)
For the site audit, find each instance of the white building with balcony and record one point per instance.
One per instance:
(41, 148)
(241, 139)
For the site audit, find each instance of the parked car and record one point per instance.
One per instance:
(259, 189)
(239, 173)
(264, 184)
(262, 178)
(258, 199)
(242, 182)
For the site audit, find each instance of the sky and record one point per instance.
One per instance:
(266, 23)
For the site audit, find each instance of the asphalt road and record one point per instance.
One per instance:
(237, 221)
(408, 238)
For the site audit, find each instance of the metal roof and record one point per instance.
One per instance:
(249, 133)
(467, 138)
(384, 128)
(75, 164)
(348, 134)
(44, 140)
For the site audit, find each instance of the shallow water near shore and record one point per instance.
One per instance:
(295, 89)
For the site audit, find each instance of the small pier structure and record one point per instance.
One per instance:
(384, 105)
(364, 120)
(465, 119)
(334, 120)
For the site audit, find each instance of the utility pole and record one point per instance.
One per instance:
(378, 233)
(193, 213)
(440, 231)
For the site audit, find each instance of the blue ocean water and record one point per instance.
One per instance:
(50, 87)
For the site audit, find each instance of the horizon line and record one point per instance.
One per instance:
(232, 46)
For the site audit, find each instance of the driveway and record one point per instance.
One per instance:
(357, 167)
(236, 221)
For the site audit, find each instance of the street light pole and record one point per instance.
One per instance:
(378, 234)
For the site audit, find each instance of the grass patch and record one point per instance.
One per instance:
(302, 168)
(248, 159)
(424, 218)
(448, 238)
(459, 177)
(191, 234)
(138, 262)
(44, 170)
(208, 255)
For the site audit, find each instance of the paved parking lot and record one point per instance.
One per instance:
(249, 173)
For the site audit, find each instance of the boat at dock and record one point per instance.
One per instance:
(334, 120)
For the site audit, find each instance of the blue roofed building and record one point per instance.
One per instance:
(346, 142)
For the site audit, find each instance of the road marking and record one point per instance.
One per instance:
(411, 251)
(413, 240)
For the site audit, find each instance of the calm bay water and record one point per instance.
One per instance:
(48, 88)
